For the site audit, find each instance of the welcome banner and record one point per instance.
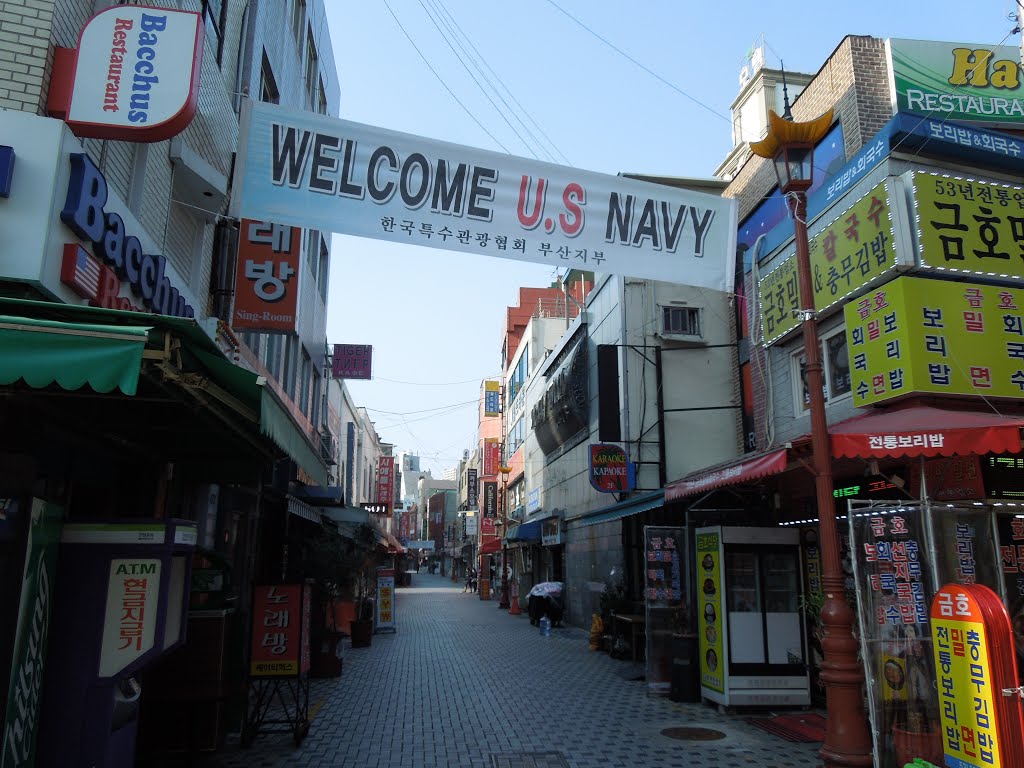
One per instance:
(329, 174)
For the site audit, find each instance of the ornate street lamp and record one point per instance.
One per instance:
(790, 145)
(503, 601)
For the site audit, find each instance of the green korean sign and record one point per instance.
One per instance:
(978, 84)
(37, 592)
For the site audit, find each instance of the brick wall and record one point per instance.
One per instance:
(25, 30)
(854, 82)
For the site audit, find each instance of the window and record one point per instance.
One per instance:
(213, 22)
(273, 356)
(314, 405)
(312, 72)
(680, 321)
(835, 371)
(290, 346)
(519, 375)
(306, 379)
(516, 436)
(268, 83)
(298, 20)
(321, 273)
(312, 250)
(321, 98)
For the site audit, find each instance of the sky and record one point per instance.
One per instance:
(611, 87)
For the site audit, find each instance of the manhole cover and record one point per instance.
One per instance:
(529, 760)
(693, 734)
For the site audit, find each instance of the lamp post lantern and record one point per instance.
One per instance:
(790, 145)
(503, 601)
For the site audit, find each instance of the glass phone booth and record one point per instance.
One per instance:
(751, 628)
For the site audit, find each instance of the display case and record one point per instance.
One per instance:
(751, 633)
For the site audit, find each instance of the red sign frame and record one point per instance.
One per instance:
(280, 630)
(267, 278)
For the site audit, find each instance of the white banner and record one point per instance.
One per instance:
(320, 172)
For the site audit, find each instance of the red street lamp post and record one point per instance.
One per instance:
(847, 737)
(503, 601)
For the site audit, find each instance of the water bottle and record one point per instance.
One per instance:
(545, 626)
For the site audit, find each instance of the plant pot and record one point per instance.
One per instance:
(325, 661)
(910, 744)
(362, 633)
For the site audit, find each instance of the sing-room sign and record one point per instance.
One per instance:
(320, 172)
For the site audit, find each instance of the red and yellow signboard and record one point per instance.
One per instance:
(267, 277)
(280, 630)
(974, 661)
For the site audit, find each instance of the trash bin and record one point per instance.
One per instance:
(685, 685)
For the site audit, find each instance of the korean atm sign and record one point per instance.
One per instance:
(280, 630)
(129, 625)
(267, 277)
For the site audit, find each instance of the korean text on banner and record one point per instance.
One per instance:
(324, 173)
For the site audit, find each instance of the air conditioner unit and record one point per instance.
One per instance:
(329, 448)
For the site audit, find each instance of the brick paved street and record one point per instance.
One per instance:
(462, 683)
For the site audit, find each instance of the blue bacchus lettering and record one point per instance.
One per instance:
(84, 213)
(145, 67)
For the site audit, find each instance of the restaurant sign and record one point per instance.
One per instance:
(958, 82)
(920, 335)
(967, 226)
(134, 76)
(974, 662)
(857, 247)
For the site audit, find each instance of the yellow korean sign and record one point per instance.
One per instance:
(921, 335)
(854, 249)
(709, 568)
(969, 226)
(970, 723)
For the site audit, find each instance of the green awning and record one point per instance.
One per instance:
(276, 423)
(631, 506)
(72, 355)
(245, 389)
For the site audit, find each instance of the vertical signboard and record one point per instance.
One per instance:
(352, 361)
(492, 399)
(267, 277)
(663, 599)
(32, 628)
(492, 456)
(279, 646)
(385, 600)
(129, 624)
(709, 569)
(973, 659)
(490, 500)
(471, 499)
(385, 480)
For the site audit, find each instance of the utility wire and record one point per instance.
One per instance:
(441, 80)
(453, 23)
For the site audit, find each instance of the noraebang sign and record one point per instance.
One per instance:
(324, 173)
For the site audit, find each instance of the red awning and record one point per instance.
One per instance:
(733, 473)
(925, 431)
(394, 545)
(490, 547)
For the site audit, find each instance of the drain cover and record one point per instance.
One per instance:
(529, 760)
(693, 734)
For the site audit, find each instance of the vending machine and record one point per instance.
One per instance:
(120, 602)
(751, 632)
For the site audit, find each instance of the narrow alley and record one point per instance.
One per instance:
(462, 683)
